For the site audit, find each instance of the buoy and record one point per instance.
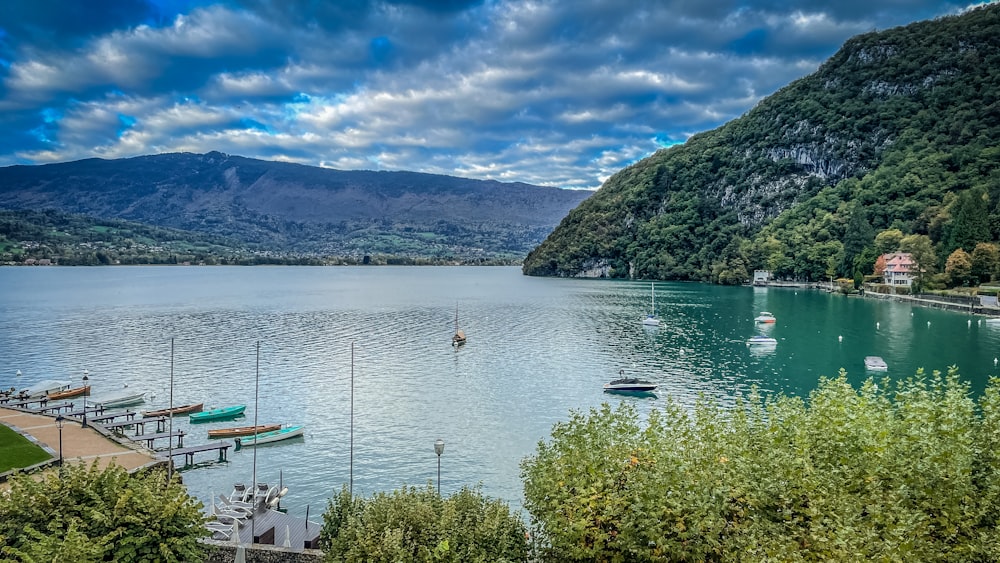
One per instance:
(928, 323)
(994, 361)
(876, 325)
(840, 338)
(19, 373)
(970, 322)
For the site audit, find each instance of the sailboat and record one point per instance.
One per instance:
(651, 319)
(459, 338)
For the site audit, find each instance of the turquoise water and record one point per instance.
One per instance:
(537, 349)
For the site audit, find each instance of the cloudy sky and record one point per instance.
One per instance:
(559, 92)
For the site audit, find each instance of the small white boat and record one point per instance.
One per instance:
(43, 388)
(765, 318)
(993, 320)
(268, 437)
(651, 319)
(121, 398)
(875, 363)
(761, 340)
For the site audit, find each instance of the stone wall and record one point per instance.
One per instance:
(225, 552)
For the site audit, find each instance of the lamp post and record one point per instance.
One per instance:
(59, 425)
(439, 449)
(86, 378)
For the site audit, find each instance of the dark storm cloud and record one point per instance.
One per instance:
(558, 92)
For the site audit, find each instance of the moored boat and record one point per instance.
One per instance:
(242, 430)
(221, 413)
(761, 340)
(122, 398)
(651, 319)
(175, 410)
(269, 437)
(43, 389)
(875, 363)
(68, 393)
(765, 318)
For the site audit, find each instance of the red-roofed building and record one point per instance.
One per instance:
(899, 269)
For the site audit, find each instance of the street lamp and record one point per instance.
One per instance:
(439, 449)
(59, 425)
(86, 378)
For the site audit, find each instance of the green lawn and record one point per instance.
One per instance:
(16, 451)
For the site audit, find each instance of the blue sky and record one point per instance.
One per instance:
(561, 93)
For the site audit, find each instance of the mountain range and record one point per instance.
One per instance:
(293, 208)
(898, 131)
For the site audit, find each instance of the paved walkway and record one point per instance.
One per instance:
(79, 445)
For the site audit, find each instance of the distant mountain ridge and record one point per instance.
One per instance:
(297, 208)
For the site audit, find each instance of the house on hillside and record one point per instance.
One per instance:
(761, 277)
(900, 269)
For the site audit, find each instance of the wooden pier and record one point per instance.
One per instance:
(189, 452)
(56, 408)
(140, 425)
(149, 438)
(129, 415)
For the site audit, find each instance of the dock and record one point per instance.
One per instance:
(140, 425)
(129, 415)
(189, 452)
(149, 438)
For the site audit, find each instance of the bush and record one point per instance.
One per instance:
(83, 515)
(903, 471)
(413, 524)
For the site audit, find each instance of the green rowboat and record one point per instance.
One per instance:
(222, 413)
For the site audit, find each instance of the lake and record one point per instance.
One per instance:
(537, 349)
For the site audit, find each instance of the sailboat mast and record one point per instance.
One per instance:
(170, 428)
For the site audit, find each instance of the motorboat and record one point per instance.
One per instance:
(651, 319)
(175, 410)
(242, 430)
(632, 384)
(764, 318)
(269, 437)
(875, 363)
(761, 340)
(221, 413)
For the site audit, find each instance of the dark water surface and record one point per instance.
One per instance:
(537, 348)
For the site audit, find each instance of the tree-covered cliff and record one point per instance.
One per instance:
(899, 130)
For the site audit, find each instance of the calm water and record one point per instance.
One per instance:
(537, 349)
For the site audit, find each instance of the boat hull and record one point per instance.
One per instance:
(223, 413)
(242, 430)
(175, 410)
(69, 393)
(270, 437)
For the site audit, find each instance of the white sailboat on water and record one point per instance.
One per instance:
(651, 319)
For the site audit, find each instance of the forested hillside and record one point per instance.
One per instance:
(897, 135)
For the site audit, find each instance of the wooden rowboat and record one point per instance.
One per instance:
(242, 430)
(69, 393)
(175, 410)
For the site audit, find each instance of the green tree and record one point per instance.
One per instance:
(959, 267)
(888, 241)
(921, 250)
(858, 236)
(417, 525)
(970, 222)
(985, 261)
(893, 471)
(85, 514)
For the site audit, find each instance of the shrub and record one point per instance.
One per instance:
(83, 514)
(416, 524)
(903, 471)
